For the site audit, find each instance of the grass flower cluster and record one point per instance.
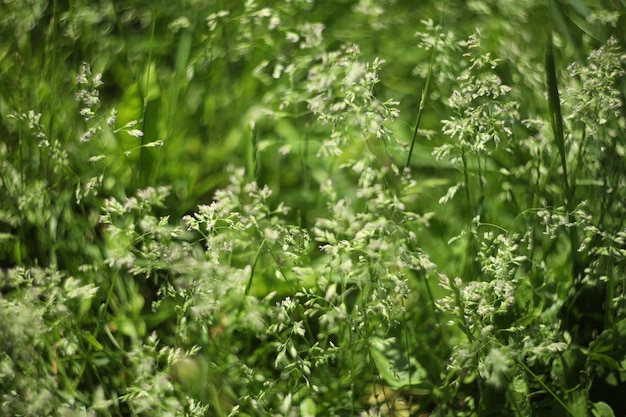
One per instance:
(363, 208)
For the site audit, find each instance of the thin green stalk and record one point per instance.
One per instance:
(481, 180)
(182, 58)
(471, 270)
(20, 150)
(352, 368)
(143, 153)
(609, 319)
(409, 352)
(468, 197)
(304, 162)
(461, 306)
(546, 387)
(256, 260)
(426, 85)
(308, 331)
(581, 151)
(51, 62)
(253, 154)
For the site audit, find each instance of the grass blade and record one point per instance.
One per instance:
(556, 119)
(554, 102)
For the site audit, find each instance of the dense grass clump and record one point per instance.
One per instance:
(355, 208)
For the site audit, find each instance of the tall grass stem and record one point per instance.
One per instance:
(423, 99)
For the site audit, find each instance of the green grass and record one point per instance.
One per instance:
(356, 208)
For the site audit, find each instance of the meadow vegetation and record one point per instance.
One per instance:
(313, 208)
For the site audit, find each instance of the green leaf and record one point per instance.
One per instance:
(149, 85)
(611, 340)
(308, 407)
(602, 409)
(387, 360)
(568, 368)
(93, 341)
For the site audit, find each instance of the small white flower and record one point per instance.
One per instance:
(135, 132)
(292, 37)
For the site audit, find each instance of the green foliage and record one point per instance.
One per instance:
(364, 208)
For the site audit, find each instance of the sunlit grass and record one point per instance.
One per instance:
(312, 209)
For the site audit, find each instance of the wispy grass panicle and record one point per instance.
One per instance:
(482, 118)
(170, 281)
